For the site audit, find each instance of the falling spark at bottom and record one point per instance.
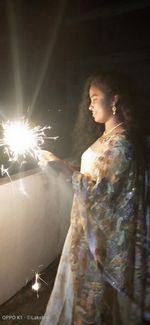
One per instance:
(37, 285)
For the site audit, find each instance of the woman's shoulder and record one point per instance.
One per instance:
(118, 139)
(121, 139)
(117, 142)
(121, 144)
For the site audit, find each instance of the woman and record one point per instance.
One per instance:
(100, 278)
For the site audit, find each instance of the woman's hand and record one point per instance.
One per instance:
(58, 164)
(45, 157)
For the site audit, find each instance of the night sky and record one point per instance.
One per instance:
(48, 48)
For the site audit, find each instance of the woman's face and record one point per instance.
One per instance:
(100, 106)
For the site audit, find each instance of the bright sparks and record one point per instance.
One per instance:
(20, 140)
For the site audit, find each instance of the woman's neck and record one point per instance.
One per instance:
(111, 123)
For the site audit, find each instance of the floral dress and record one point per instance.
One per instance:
(101, 274)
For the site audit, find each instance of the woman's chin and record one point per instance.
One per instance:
(97, 120)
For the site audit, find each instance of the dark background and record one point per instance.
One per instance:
(48, 48)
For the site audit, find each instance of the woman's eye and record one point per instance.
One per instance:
(95, 100)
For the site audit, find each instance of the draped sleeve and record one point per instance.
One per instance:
(109, 204)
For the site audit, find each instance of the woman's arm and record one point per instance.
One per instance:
(47, 157)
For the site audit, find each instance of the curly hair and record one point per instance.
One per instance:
(111, 83)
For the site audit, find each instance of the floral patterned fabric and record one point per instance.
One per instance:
(101, 274)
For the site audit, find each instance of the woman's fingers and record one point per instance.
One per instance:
(44, 157)
(47, 155)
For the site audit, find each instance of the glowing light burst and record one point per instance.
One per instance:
(21, 140)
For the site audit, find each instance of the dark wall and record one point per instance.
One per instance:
(48, 48)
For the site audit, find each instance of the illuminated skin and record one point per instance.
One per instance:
(101, 108)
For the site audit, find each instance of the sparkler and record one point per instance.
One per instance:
(20, 140)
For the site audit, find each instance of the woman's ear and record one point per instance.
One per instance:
(116, 98)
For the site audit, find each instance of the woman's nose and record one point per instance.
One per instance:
(91, 107)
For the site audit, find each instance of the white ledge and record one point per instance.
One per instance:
(34, 220)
